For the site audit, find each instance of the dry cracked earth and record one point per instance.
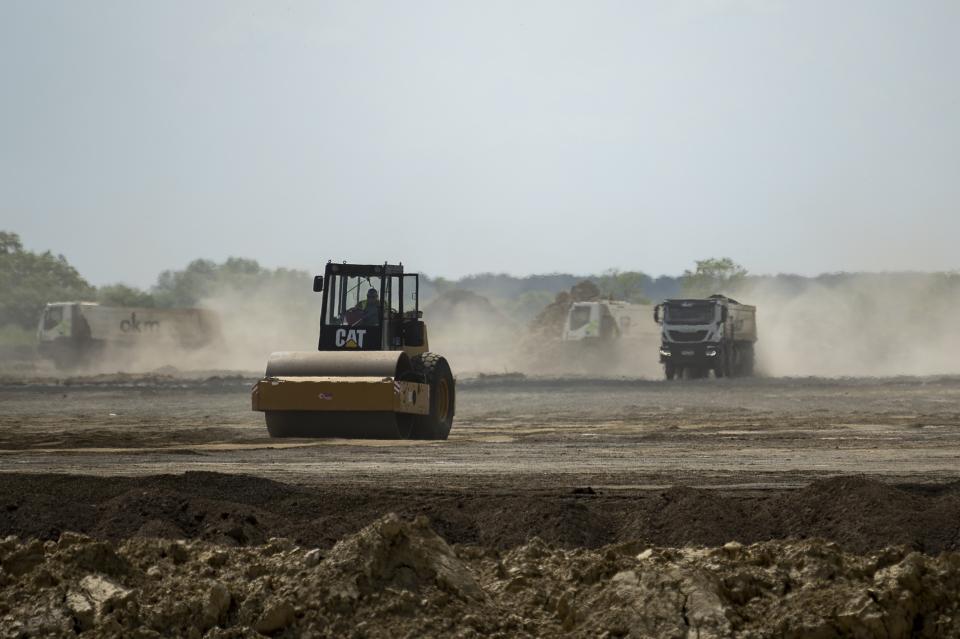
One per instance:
(155, 506)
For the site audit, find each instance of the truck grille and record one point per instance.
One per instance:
(695, 336)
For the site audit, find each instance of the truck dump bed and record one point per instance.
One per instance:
(184, 327)
(742, 321)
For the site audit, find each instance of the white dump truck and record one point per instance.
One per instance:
(79, 333)
(700, 335)
(606, 320)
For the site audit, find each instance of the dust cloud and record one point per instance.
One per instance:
(837, 325)
(472, 334)
(856, 324)
(478, 338)
(255, 324)
(624, 357)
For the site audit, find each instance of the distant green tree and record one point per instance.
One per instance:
(187, 287)
(123, 295)
(628, 286)
(204, 279)
(713, 275)
(10, 243)
(28, 281)
(443, 285)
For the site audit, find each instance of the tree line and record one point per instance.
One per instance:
(29, 280)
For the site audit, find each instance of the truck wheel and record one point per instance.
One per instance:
(669, 371)
(748, 361)
(436, 373)
(723, 368)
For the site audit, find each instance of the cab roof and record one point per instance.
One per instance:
(378, 270)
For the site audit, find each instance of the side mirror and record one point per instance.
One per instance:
(317, 283)
(723, 313)
(656, 313)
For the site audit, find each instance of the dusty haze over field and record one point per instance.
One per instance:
(866, 325)
(862, 326)
(462, 137)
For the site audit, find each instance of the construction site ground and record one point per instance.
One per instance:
(599, 471)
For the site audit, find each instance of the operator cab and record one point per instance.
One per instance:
(370, 307)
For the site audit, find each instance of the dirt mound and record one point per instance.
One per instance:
(390, 552)
(855, 511)
(859, 514)
(167, 513)
(399, 578)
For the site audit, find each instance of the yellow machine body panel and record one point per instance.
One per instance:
(335, 394)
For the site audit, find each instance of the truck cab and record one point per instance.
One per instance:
(606, 320)
(62, 330)
(587, 321)
(699, 335)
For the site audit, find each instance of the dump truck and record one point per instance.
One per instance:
(702, 335)
(74, 334)
(605, 320)
(372, 375)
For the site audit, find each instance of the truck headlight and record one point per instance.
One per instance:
(711, 351)
(665, 353)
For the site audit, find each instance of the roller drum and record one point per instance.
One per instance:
(394, 364)
(346, 364)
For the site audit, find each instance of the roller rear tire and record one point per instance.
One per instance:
(435, 372)
(748, 361)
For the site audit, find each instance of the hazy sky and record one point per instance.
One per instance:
(484, 136)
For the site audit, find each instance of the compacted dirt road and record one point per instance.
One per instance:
(569, 473)
(616, 434)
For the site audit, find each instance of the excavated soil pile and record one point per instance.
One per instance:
(397, 578)
(860, 515)
(549, 323)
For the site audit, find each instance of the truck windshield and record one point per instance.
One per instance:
(687, 313)
(52, 317)
(579, 316)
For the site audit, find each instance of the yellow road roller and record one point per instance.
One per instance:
(372, 376)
